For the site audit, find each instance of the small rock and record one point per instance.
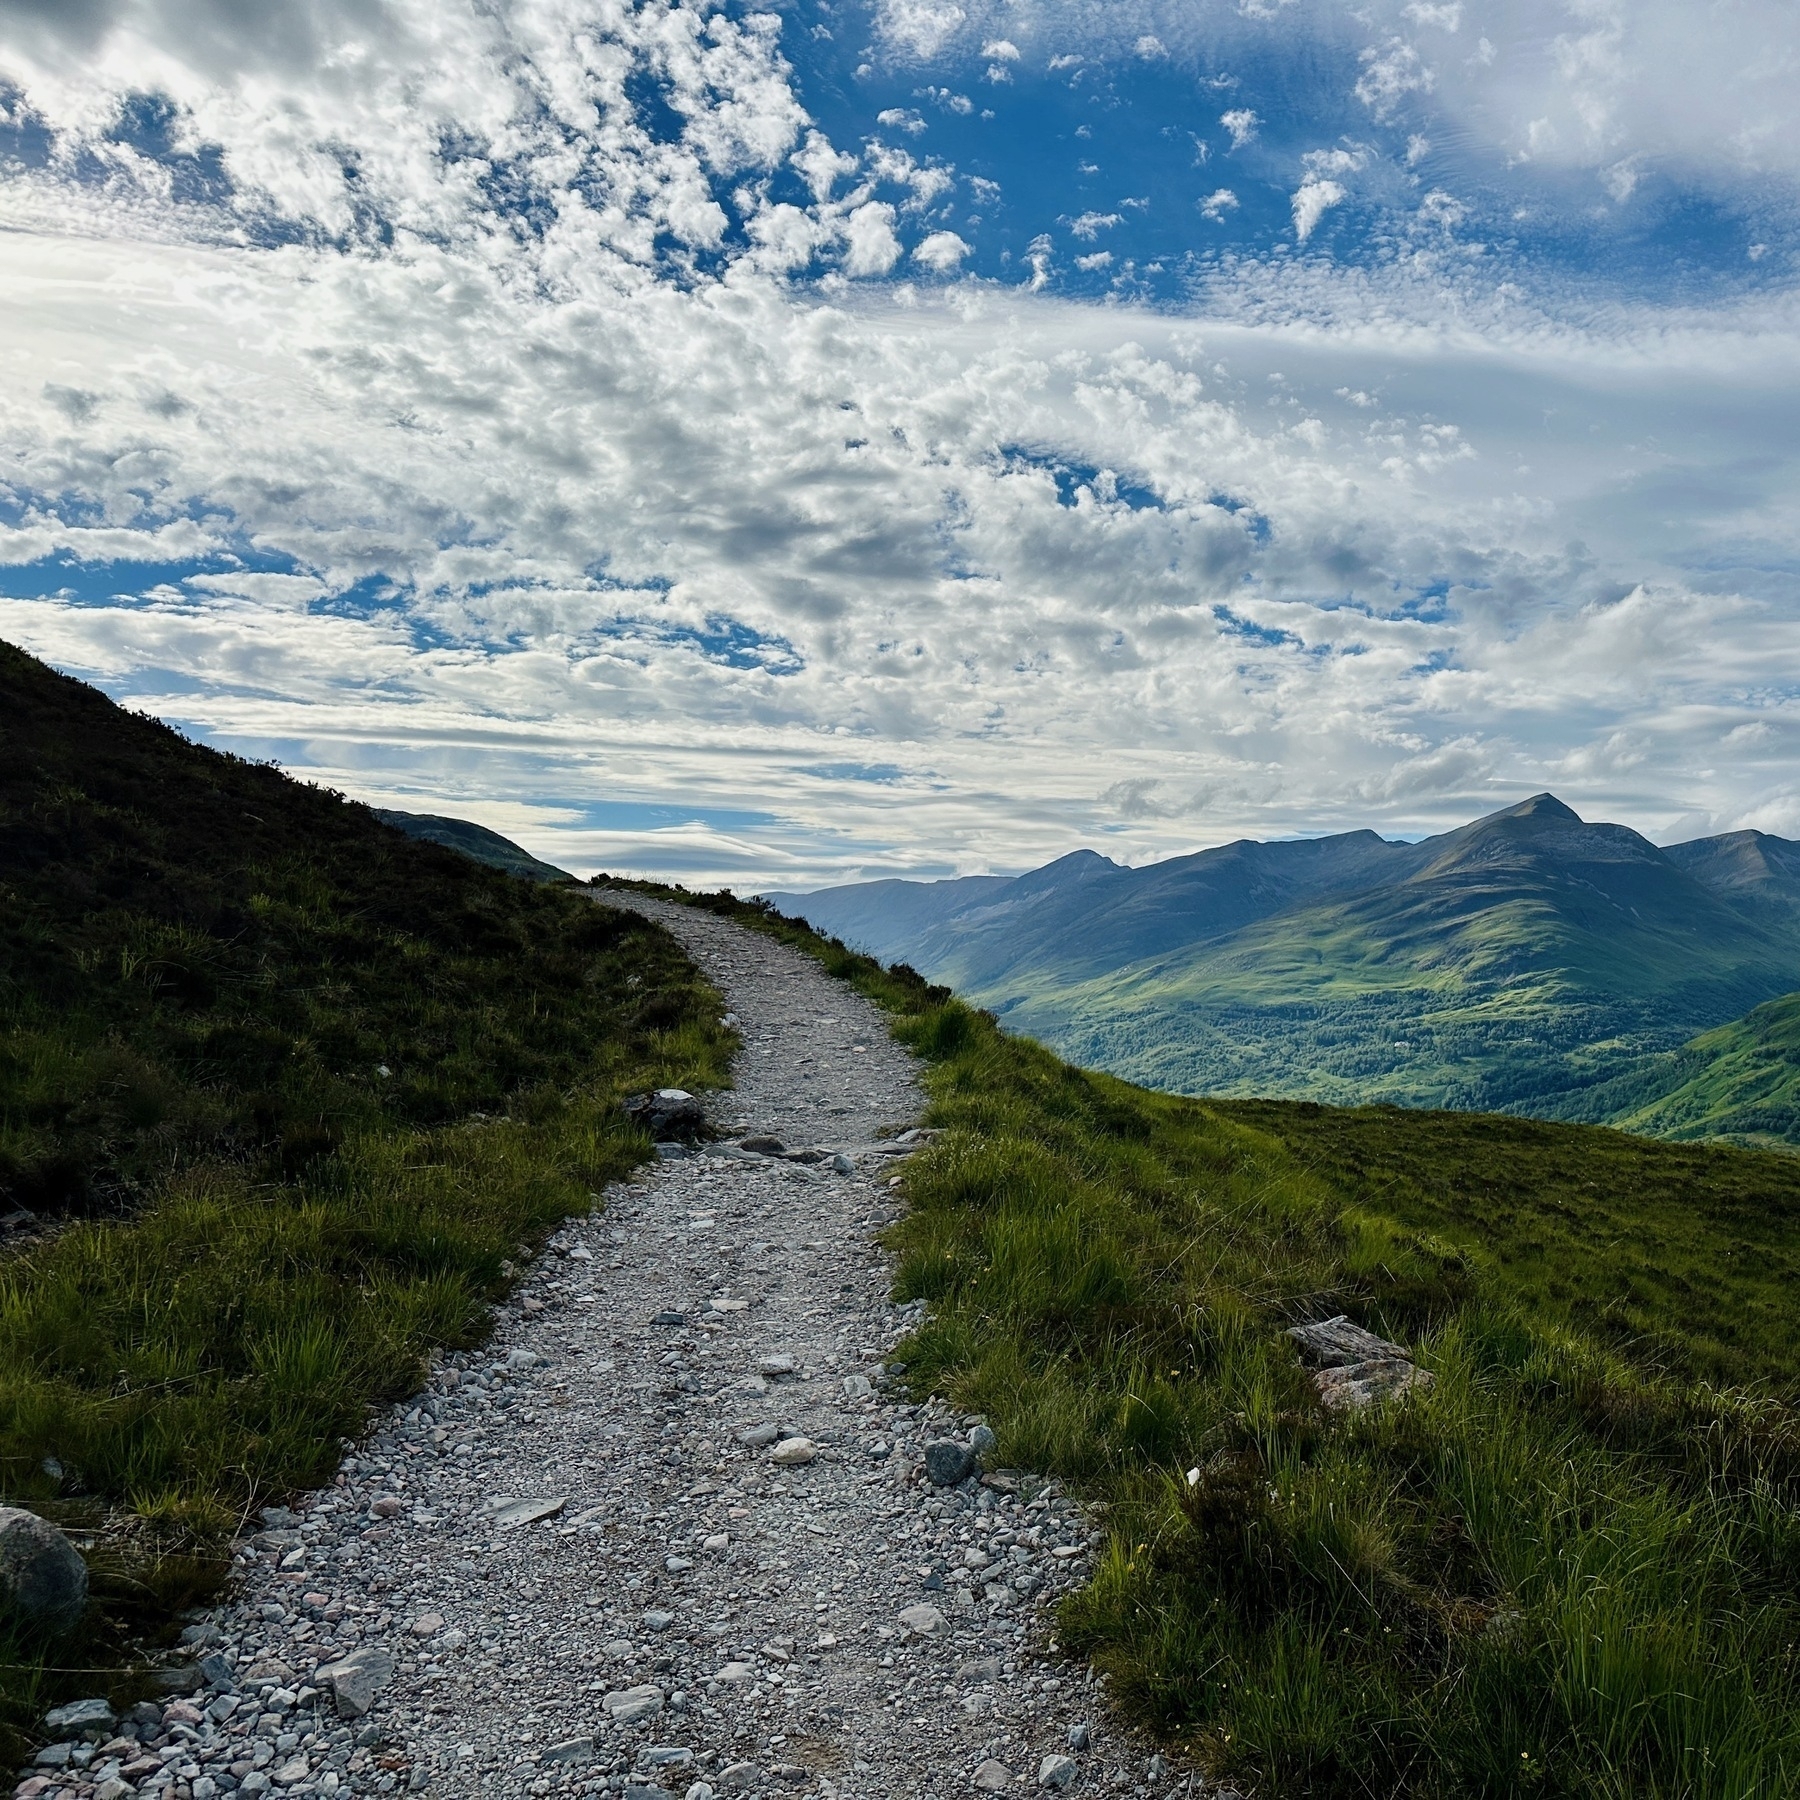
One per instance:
(719, 1540)
(737, 1674)
(982, 1443)
(842, 1165)
(792, 1453)
(1057, 1772)
(629, 1706)
(677, 1565)
(658, 1621)
(924, 1620)
(1335, 1343)
(79, 1716)
(112, 1788)
(1080, 1738)
(43, 1579)
(385, 1506)
(763, 1146)
(575, 1749)
(668, 1316)
(858, 1387)
(992, 1777)
(667, 1113)
(354, 1680)
(427, 1625)
(947, 1462)
(700, 1790)
(738, 1775)
(775, 1367)
(509, 1511)
(292, 1772)
(1354, 1386)
(759, 1437)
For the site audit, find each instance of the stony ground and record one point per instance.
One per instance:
(671, 1532)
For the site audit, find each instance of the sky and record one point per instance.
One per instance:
(786, 444)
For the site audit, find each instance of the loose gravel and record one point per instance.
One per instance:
(672, 1532)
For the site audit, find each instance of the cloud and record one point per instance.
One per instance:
(579, 458)
(1090, 224)
(1241, 122)
(942, 251)
(1389, 74)
(1311, 201)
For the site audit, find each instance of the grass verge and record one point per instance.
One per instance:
(1558, 1572)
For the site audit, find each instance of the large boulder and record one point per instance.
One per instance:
(43, 1581)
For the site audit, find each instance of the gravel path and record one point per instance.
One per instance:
(591, 1558)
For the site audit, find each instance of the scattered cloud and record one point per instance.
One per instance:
(1311, 201)
(1241, 122)
(942, 251)
(1218, 204)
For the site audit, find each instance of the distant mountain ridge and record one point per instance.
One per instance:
(1514, 963)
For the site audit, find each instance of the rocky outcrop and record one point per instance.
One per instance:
(1353, 1368)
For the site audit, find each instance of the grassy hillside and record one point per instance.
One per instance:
(281, 1092)
(1566, 1570)
(1684, 1258)
(473, 840)
(1739, 1083)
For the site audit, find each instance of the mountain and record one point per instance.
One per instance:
(474, 841)
(1514, 963)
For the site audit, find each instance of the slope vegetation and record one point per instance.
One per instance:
(281, 1092)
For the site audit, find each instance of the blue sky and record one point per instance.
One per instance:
(780, 443)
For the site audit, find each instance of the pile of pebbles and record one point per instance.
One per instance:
(676, 1530)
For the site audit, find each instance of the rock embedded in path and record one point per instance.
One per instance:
(43, 1581)
(631, 1706)
(992, 1777)
(947, 1462)
(794, 1452)
(1057, 1772)
(79, 1716)
(354, 1681)
(667, 1113)
(924, 1621)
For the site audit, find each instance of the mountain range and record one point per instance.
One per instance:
(1530, 961)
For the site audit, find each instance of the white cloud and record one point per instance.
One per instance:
(1099, 259)
(1089, 225)
(1218, 203)
(1389, 74)
(901, 118)
(1241, 122)
(873, 249)
(1000, 50)
(1150, 48)
(1311, 201)
(942, 251)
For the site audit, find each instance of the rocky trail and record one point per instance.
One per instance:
(672, 1531)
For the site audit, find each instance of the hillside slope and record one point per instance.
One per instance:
(473, 841)
(1514, 963)
(282, 1093)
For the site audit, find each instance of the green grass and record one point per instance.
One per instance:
(1686, 1258)
(288, 1095)
(1563, 1571)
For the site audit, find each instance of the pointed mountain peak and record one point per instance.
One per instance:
(1544, 808)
